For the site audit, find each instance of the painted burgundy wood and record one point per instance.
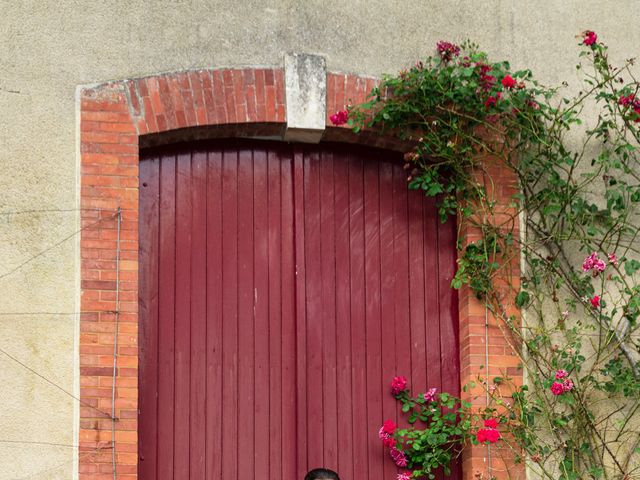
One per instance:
(282, 287)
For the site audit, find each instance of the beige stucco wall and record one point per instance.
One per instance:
(49, 48)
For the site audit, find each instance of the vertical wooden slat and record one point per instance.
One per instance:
(417, 273)
(449, 355)
(328, 300)
(276, 335)
(148, 311)
(357, 313)
(183, 316)
(246, 305)
(314, 313)
(198, 287)
(262, 373)
(373, 319)
(448, 301)
(401, 277)
(215, 278)
(300, 315)
(432, 294)
(343, 319)
(387, 299)
(290, 413)
(229, 418)
(166, 319)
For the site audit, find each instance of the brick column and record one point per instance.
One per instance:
(485, 344)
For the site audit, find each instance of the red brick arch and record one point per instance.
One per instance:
(116, 120)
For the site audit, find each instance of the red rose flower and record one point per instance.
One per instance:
(589, 38)
(490, 435)
(595, 301)
(508, 82)
(492, 101)
(398, 384)
(339, 118)
(388, 427)
(447, 50)
(491, 423)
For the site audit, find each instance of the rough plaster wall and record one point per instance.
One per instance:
(47, 48)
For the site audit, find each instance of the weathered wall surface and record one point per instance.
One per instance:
(49, 48)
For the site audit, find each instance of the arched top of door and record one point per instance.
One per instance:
(291, 104)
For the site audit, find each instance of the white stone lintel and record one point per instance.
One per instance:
(305, 80)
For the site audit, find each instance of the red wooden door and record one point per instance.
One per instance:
(282, 287)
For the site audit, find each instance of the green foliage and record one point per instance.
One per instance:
(438, 429)
(579, 190)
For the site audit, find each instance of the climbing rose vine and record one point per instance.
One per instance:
(575, 153)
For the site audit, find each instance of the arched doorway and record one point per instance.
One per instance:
(282, 287)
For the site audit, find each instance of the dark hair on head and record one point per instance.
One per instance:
(321, 473)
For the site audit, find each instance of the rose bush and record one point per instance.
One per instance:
(577, 416)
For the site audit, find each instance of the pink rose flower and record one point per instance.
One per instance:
(398, 385)
(567, 385)
(339, 118)
(398, 457)
(612, 259)
(557, 388)
(430, 396)
(592, 262)
(560, 374)
(508, 82)
(589, 38)
(389, 442)
(595, 301)
(404, 476)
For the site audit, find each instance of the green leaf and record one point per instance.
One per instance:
(522, 298)
(631, 266)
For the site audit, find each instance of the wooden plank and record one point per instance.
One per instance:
(214, 379)
(148, 312)
(357, 314)
(229, 418)
(449, 352)
(198, 361)
(328, 303)
(314, 311)
(183, 316)
(246, 305)
(343, 319)
(387, 300)
(449, 327)
(166, 319)
(288, 262)
(262, 379)
(431, 294)
(373, 327)
(275, 334)
(417, 271)
(300, 316)
(401, 281)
